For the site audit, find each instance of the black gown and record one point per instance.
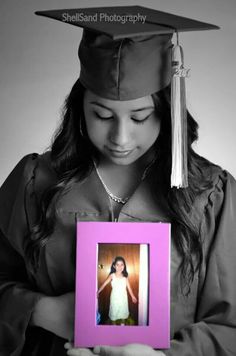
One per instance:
(202, 324)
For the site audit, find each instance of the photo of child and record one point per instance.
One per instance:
(118, 278)
(122, 284)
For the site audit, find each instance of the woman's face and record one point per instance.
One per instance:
(119, 266)
(122, 131)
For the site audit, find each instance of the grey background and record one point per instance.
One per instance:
(39, 64)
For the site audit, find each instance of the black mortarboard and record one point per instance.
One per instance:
(156, 22)
(126, 53)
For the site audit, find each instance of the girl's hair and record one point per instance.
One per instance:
(71, 154)
(117, 259)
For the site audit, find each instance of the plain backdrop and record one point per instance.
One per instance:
(39, 64)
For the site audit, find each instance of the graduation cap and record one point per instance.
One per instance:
(126, 53)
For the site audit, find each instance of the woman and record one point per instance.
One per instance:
(111, 160)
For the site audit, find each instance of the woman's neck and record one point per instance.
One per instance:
(122, 180)
(136, 167)
(119, 274)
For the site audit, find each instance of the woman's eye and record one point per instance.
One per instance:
(140, 121)
(103, 117)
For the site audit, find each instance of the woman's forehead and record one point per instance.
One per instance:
(131, 105)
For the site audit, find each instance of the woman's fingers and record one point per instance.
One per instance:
(72, 351)
(127, 350)
(68, 345)
(107, 350)
(96, 350)
(79, 352)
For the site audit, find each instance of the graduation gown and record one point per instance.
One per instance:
(202, 324)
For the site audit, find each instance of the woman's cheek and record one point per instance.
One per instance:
(149, 134)
(97, 133)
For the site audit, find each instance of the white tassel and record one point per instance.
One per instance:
(179, 173)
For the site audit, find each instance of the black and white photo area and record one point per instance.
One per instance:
(55, 184)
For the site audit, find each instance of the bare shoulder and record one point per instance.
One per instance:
(110, 277)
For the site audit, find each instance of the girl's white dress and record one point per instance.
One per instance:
(119, 299)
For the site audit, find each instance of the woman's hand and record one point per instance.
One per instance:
(127, 350)
(56, 314)
(71, 351)
(134, 300)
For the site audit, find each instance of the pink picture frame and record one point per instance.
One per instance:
(157, 237)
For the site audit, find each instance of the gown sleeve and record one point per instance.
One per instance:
(17, 297)
(214, 330)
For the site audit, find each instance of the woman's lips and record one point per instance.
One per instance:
(119, 153)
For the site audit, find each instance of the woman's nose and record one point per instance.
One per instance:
(120, 134)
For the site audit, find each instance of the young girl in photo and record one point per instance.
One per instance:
(118, 277)
(123, 152)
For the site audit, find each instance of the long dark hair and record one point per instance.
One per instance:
(71, 158)
(186, 230)
(117, 259)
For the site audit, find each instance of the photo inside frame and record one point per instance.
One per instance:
(123, 284)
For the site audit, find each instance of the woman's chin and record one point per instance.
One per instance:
(122, 161)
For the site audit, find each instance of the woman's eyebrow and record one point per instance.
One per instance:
(135, 110)
(142, 109)
(101, 105)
